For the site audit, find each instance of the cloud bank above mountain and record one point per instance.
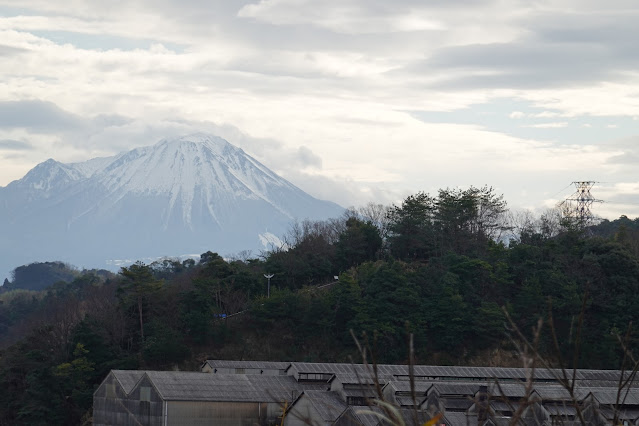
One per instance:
(352, 100)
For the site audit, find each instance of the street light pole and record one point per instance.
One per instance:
(268, 277)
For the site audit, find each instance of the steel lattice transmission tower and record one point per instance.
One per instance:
(577, 206)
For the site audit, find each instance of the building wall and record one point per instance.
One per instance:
(107, 403)
(111, 406)
(200, 413)
(302, 413)
(348, 418)
(196, 413)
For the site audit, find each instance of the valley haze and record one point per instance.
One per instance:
(181, 196)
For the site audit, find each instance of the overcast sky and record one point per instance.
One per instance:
(351, 100)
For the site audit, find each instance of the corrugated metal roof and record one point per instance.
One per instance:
(554, 392)
(503, 406)
(457, 404)
(454, 388)
(508, 390)
(609, 396)
(546, 391)
(457, 419)
(265, 365)
(446, 380)
(348, 369)
(404, 386)
(407, 401)
(364, 379)
(194, 386)
(329, 405)
(410, 414)
(363, 415)
(370, 416)
(560, 410)
(507, 373)
(434, 372)
(622, 414)
(315, 367)
(128, 378)
(363, 391)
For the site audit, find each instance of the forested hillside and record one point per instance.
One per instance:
(444, 267)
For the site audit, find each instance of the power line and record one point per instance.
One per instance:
(562, 190)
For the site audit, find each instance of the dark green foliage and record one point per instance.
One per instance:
(164, 345)
(310, 261)
(489, 324)
(137, 290)
(40, 275)
(75, 378)
(195, 315)
(441, 273)
(468, 219)
(359, 243)
(411, 229)
(461, 221)
(30, 391)
(168, 268)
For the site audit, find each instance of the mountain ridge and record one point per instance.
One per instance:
(166, 199)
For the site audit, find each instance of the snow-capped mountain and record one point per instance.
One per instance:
(179, 196)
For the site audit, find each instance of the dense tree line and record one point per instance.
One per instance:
(39, 275)
(445, 268)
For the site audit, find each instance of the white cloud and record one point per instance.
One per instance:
(348, 17)
(554, 125)
(547, 114)
(318, 90)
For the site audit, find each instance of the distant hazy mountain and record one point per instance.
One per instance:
(181, 196)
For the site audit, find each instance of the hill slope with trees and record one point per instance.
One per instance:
(446, 268)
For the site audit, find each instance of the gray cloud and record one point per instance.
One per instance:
(15, 145)
(623, 198)
(15, 156)
(245, 70)
(124, 133)
(526, 64)
(41, 117)
(558, 49)
(38, 116)
(10, 50)
(631, 159)
(612, 28)
(307, 158)
(111, 120)
(630, 148)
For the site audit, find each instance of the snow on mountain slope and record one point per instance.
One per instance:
(181, 195)
(49, 176)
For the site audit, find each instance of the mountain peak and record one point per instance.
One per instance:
(211, 142)
(185, 194)
(48, 174)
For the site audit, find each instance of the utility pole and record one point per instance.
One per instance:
(268, 288)
(577, 206)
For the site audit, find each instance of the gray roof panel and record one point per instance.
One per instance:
(265, 365)
(193, 386)
(128, 378)
(328, 404)
(362, 415)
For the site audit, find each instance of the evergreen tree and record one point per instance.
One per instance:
(137, 287)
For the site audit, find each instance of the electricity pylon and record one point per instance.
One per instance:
(576, 208)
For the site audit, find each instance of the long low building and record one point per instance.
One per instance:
(230, 393)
